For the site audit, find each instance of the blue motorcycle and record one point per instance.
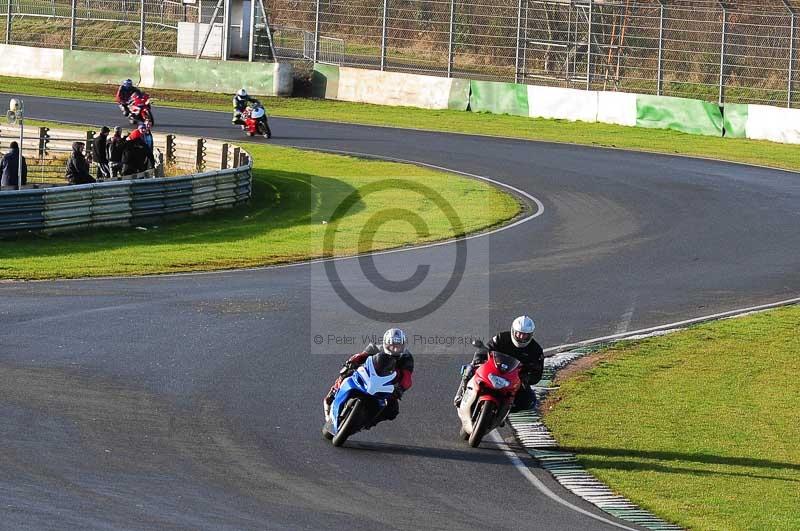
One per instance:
(360, 399)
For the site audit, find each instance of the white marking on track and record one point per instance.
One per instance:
(541, 487)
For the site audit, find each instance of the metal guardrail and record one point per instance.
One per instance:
(134, 201)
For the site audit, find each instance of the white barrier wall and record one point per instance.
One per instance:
(773, 123)
(616, 108)
(562, 103)
(393, 88)
(23, 61)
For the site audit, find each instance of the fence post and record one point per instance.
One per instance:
(8, 22)
(43, 139)
(589, 49)
(660, 74)
(519, 33)
(383, 35)
(450, 39)
(316, 34)
(722, 55)
(223, 163)
(141, 29)
(236, 152)
(90, 145)
(200, 160)
(170, 149)
(73, 16)
(252, 44)
(790, 87)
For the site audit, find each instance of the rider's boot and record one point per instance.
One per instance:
(466, 374)
(328, 400)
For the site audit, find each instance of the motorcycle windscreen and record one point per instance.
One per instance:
(504, 362)
(383, 363)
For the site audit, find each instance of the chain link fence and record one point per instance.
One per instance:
(720, 50)
(119, 26)
(726, 50)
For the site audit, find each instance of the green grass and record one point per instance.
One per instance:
(662, 141)
(294, 192)
(700, 426)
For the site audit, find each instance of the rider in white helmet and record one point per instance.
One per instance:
(395, 345)
(240, 102)
(519, 343)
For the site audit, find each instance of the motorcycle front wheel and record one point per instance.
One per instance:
(482, 425)
(352, 422)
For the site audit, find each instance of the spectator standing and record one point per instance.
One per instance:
(78, 167)
(116, 145)
(9, 167)
(100, 154)
(134, 157)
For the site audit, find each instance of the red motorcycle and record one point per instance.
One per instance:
(488, 396)
(141, 110)
(256, 122)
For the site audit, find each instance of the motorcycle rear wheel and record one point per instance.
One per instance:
(351, 423)
(482, 425)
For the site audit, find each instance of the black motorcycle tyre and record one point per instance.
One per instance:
(353, 422)
(483, 424)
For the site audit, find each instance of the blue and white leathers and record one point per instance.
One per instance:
(365, 380)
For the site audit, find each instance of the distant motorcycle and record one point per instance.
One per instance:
(360, 399)
(488, 396)
(141, 110)
(256, 122)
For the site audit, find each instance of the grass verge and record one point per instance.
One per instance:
(294, 193)
(699, 426)
(656, 140)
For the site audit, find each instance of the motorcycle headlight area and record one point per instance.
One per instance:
(498, 382)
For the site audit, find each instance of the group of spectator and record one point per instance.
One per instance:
(114, 156)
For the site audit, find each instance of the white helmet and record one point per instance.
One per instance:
(242, 93)
(394, 342)
(522, 331)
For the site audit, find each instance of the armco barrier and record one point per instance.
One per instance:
(126, 202)
(21, 211)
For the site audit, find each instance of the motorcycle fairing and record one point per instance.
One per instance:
(365, 380)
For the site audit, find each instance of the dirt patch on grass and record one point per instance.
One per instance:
(576, 369)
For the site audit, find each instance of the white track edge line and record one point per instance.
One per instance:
(541, 487)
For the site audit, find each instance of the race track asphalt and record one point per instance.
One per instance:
(194, 402)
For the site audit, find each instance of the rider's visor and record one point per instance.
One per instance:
(395, 348)
(522, 337)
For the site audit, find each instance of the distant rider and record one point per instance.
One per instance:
(124, 94)
(394, 344)
(518, 343)
(240, 102)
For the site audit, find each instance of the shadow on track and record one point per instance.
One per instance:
(489, 453)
